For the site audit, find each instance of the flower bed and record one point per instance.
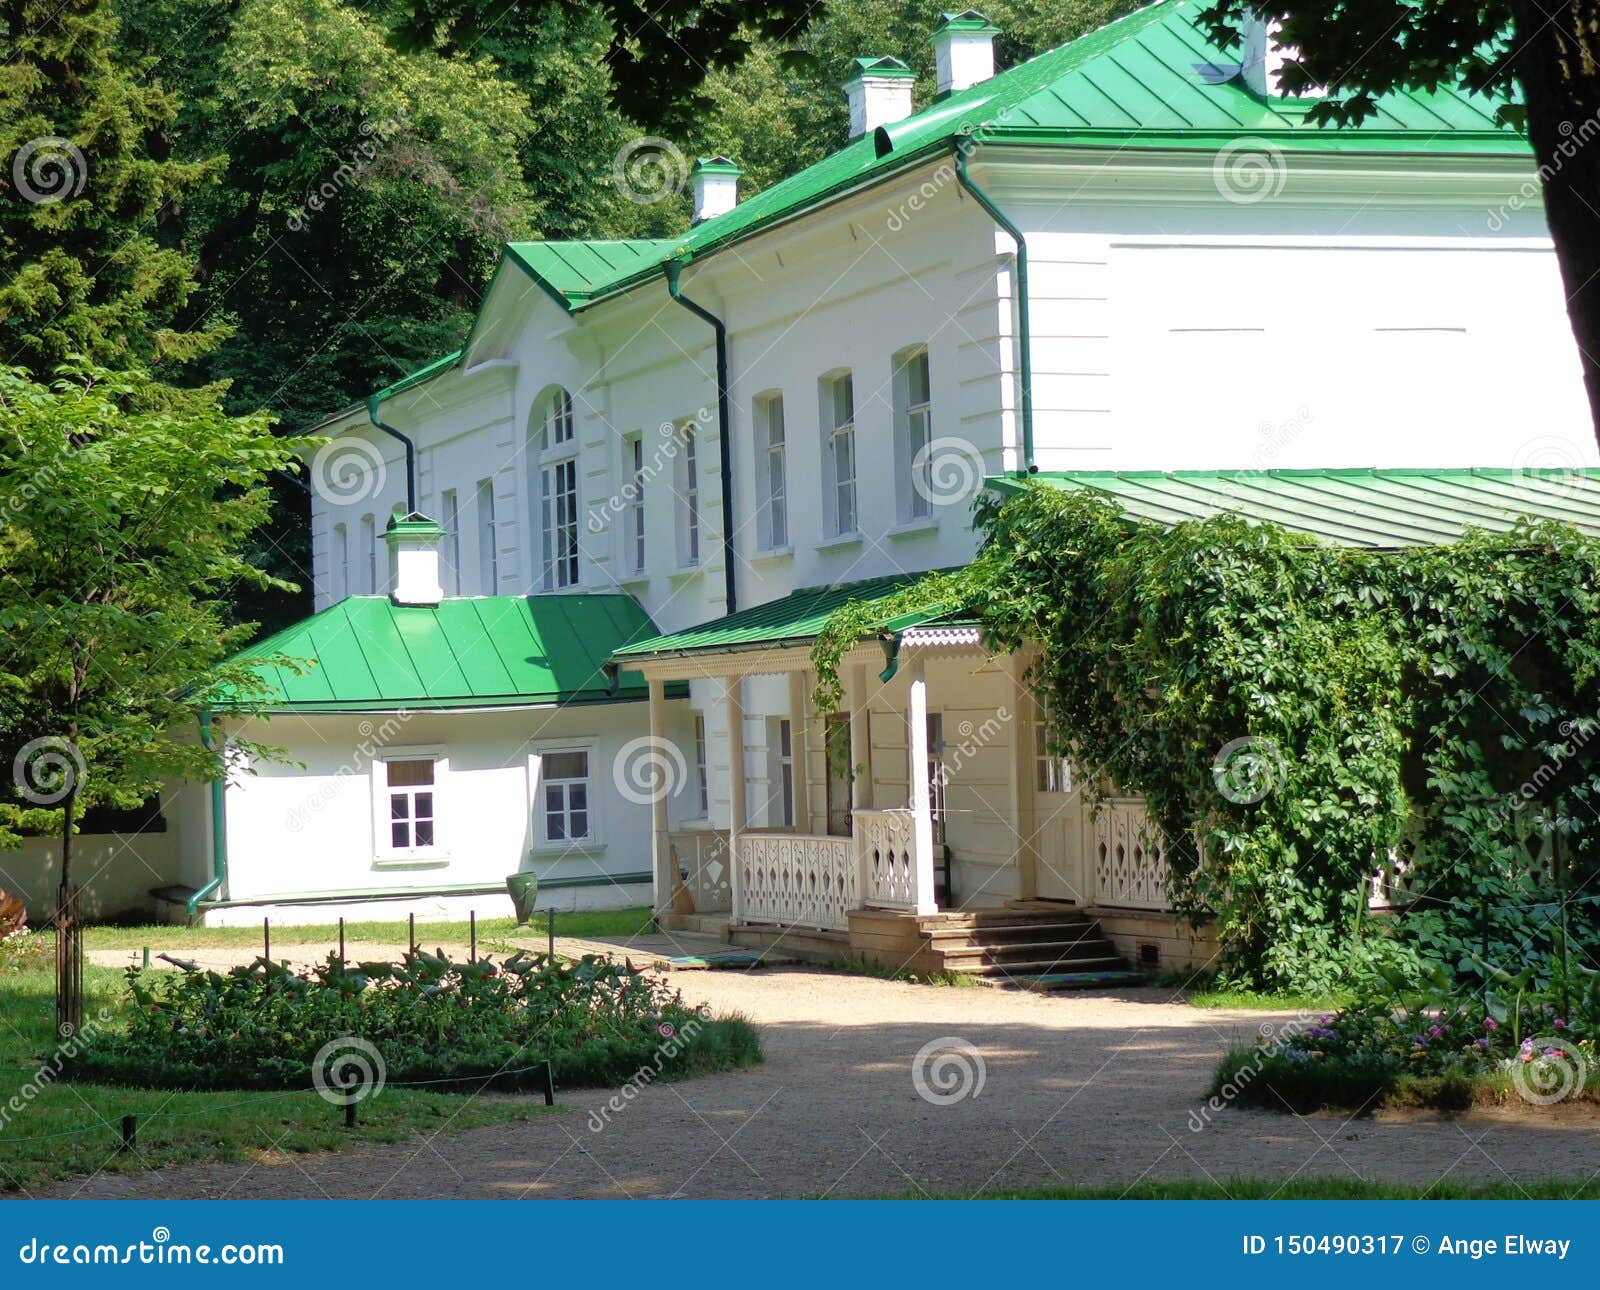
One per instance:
(425, 1019)
(1422, 1048)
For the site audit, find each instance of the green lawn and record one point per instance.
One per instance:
(1203, 990)
(68, 1129)
(162, 936)
(1304, 1189)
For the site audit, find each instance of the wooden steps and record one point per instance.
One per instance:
(1013, 943)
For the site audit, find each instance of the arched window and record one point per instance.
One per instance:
(558, 490)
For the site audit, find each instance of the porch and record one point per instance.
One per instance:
(921, 826)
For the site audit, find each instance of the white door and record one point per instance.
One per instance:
(1059, 820)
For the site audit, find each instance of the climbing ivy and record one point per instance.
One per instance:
(1292, 712)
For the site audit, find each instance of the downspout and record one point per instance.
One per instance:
(219, 825)
(411, 454)
(673, 269)
(1025, 347)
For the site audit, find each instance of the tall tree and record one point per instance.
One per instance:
(1542, 55)
(128, 508)
(86, 184)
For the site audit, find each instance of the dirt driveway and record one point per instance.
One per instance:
(1057, 1088)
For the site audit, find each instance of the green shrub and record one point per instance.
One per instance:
(429, 1019)
(1419, 1046)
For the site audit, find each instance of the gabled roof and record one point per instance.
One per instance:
(1151, 79)
(793, 620)
(1362, 508)
(371, 655)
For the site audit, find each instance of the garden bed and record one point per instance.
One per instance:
(426, 1020)
(1424, 1049)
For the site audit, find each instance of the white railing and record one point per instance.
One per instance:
(886, 842)
(798, 880)
(701, 857)
(1129, 857)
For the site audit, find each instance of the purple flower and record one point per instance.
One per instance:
(1489, 1023)
(1483, 1044)
(1527, 1047)
(1435, 1031)
(1559, 1024)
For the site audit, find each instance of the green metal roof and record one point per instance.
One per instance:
(369, 654)
(1146, 80)
(1365, 508)
(793, 620)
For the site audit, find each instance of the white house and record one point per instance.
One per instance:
(1121, 261)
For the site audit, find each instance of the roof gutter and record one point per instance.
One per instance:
(725, 448)
(219, 824)
(1025, 344)
(411, 452)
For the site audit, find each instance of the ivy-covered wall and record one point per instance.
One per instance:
(1292, 711)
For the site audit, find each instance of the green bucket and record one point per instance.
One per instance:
(523, 889)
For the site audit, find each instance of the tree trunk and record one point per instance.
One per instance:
(69, 934)
(1558, 67)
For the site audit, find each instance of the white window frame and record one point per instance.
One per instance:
(702, 768)
(636, 552)
(339, 564)
(369, 541)
(488, 539)
(384, 854)
(838, 420)
(1052, 774)
(592, 841)
(780, 773)
(559, 493)
(691, 520)
(772, 471)
(450, 520)
(913, 432)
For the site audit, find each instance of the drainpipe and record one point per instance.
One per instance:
(219, 825)
(1025, 348)
(673, 269)
(411, 454)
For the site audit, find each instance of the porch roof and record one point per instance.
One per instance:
(794, 620)
(1361, 508)
(368, 654)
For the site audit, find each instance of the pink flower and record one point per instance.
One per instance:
(1489, 1023)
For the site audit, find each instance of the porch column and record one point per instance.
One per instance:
(921, 796)
(1024, 779)
(738, 817)
(666, 874)
(860, 738)
(799, 730)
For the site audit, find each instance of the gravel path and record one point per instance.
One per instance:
(1075, 1088)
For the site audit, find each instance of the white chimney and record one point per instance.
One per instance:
(963, 50)
(1264, 58)
(715, 181)
(414, 560)
(879, 94)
